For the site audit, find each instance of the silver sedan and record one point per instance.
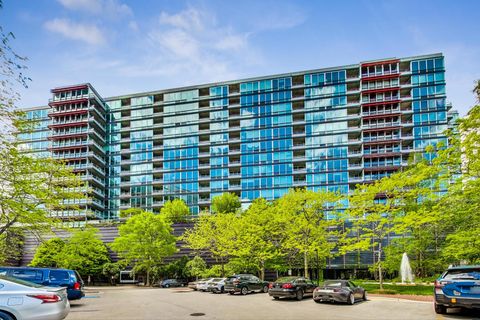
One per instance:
(21, 300)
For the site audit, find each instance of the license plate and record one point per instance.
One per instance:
(325, 291)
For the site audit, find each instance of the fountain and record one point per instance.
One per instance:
(405, 269)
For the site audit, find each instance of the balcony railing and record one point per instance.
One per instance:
(381, 125)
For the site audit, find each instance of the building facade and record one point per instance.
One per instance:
(324, 129)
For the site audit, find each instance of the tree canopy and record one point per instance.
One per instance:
(82, 251)
(226, 203)
(144, 241)
(175, 211)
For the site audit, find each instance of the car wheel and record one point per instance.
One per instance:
(167, 286)
(299, 295)
(276, 298)
(318, 301)
(265, 289)
(5, 316)
(364, 297)
(232, 293)
(244, 290)
(351, 299)
(222, 290)
(440, 309)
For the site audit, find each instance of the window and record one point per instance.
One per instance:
(141, 112)
(427, 65)
(29, 275)
(180, 96)
(141, 123)
(141, 135)
(57, 275)
(141, 101)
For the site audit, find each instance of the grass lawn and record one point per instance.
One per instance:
(418, 289)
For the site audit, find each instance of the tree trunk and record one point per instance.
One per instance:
(305, 264)
(262, 270)
(380, 271)
(148, 278)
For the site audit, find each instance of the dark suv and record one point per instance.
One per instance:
(49, 277)
(167, 283)
(458, 287)
(245, 283)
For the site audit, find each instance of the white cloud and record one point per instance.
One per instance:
(232, 42)
(109, 8)
(88, 33)
(193, 42)
(190, 19)
(133, 25)
(93, 6)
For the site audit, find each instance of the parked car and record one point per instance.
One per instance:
(203, 285)
(245, 283)
(458, 287)
(26, 300)
(50, 277)
(339, 291)
(193, 284)
(217, 285)
(170, 283)
(291, 287)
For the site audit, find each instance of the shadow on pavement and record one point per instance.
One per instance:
(457, 313)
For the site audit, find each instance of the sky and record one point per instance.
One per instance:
(123, 47)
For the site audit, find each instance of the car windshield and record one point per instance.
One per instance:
(22, 282)
(333, 284)
(286, 279)
(232, 278)
(467, 274)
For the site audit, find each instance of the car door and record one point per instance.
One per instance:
(356, 290)
(255, 283)
(301, 284)
(309, 286)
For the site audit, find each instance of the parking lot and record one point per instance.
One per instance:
(145, 303)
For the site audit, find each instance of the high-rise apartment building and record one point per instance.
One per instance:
(324, 129)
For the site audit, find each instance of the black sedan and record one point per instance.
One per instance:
(339, 291)
(291, 287)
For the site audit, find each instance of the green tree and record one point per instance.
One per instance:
(31, 187)
(259, 234)
(372, 220)
(226, 203)
(476, 90)
(176, 269)
(460, 214)
(84, 252)
(305, 212)
(215, 235)
(175, 211)
(196, 267)
(144, 241)
(11, 244)
(459, 207)
(47, 253)
(111, 270)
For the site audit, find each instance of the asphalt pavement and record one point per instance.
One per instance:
(181, 303)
